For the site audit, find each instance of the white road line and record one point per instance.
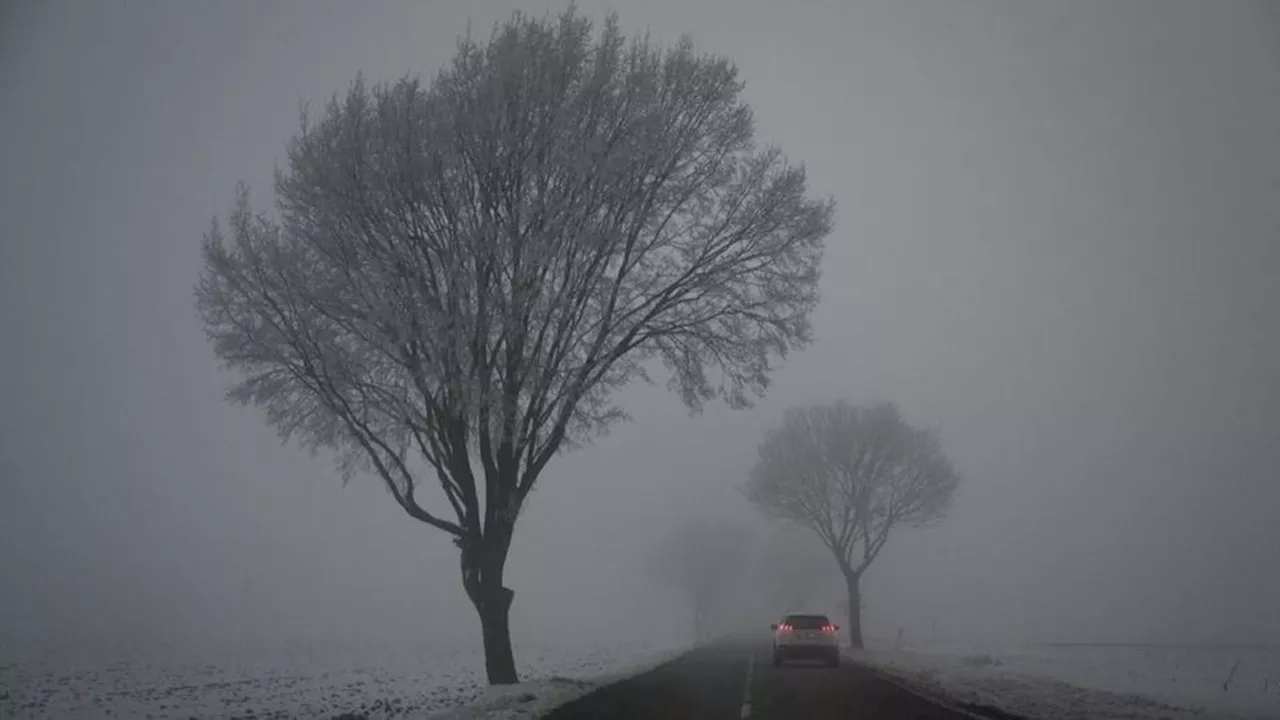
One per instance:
(746, 691)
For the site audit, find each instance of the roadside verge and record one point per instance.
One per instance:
(538, 697)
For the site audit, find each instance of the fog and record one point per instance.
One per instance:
(1057, 241)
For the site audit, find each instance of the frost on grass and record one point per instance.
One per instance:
(373, 685)
(1094, 682)
(534, 698)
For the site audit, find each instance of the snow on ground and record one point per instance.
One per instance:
(534, 698)
(1067, 682)
(374, 684)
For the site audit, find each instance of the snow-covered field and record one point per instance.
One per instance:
(417, 683)
(1068, 682)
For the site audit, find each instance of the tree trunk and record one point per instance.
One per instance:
(482, 579)
(855, 611)
(494, 607)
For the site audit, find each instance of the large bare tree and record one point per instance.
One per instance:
(851, 474)
(457, 276)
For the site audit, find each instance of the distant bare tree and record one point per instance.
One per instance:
(703, 558)
(794, 570)
(851, 474)
(458, 277)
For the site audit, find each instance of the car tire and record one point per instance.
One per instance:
(834, 660)
(777, 657)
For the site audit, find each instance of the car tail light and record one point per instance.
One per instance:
(784, 626)
(828, 628)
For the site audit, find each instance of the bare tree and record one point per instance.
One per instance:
(851, 474)
(457, 277)
(703, 558)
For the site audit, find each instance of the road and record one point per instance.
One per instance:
(738, 680)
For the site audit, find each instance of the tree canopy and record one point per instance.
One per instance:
(458, 275)
(851, 474)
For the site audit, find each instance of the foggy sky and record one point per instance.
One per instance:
(1057, 241)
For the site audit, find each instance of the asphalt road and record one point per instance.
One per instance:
(737, 680)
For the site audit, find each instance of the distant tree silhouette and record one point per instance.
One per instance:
(852, 474)
(703, 558)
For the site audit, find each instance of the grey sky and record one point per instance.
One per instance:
(1057, 240)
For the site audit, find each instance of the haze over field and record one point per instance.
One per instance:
(1057, 241)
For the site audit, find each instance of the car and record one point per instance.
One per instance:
(806, 635)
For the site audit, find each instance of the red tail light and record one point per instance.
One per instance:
(828, 628)
(784, 626)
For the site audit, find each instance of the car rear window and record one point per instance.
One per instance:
(807, 622)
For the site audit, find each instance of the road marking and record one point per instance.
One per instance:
(746, 691)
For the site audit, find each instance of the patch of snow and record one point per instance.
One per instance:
(1096, 682)
(534, 698)
(379, 684)
(528, 699)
